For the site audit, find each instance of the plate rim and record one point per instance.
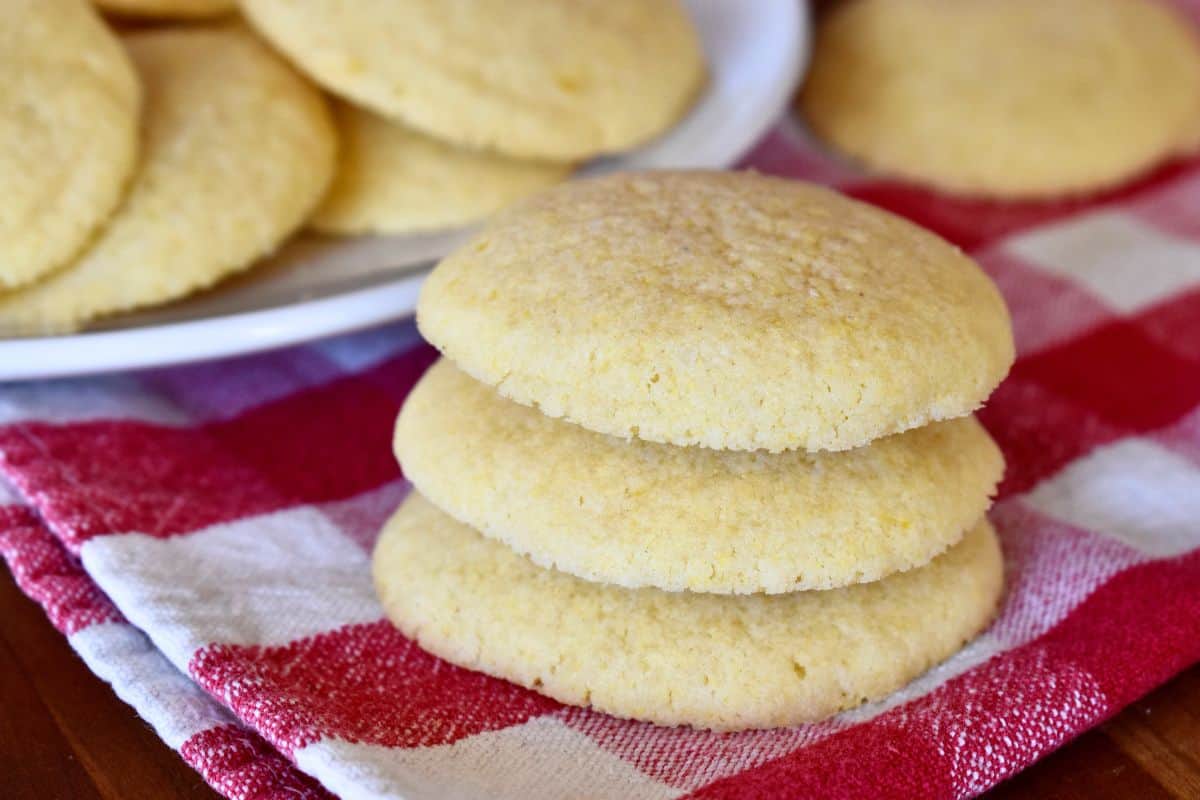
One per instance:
(260, 330)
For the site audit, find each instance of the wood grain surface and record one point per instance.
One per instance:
(64, 735)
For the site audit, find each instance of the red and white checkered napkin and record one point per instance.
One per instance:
(202, 533)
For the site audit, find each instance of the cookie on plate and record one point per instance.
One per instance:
(168, 9)
(538, 79)
(636, 513)
(723, 309)
(392, 179)
(69, 104)
(1022, 98)
(710, 661)
(1191, 140)
(237, 151)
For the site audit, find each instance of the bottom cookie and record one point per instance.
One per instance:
(675, 658)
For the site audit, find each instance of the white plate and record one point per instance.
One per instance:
(316, 287)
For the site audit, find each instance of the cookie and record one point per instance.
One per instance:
(237, 151)
(391, 179)
(673, 658)
(1190, 144)
(729, 310)
(168, 9)
(636, 513)
(69, 104)
(539, 79)
(1022, 98)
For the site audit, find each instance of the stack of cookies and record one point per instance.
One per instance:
(700, 452)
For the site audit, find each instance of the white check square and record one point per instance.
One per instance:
(1134, 491)
(1121, 260)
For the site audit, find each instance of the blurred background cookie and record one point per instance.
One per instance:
(1007, 99)
(529, 78)
(392, 179)
(69, 102)
(238, 150)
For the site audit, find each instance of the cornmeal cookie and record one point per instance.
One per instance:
(637, 513)
(1190, 145)
(69, 103)
(711, 661)
(730, 310)
(530, 78)
(1013, 98)
(391, 179)
(168, 9)
(238, 150)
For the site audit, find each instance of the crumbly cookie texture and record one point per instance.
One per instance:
(69, 105)
(710, 661)
(634, 513)
(237, 151)
(529, 78)
(1022, 98)
(723, 309)
(392, 179)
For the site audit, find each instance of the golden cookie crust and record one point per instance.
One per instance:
(69, 104)
(392, 179)
(729, 310)
(677, 658)
(636, 513)
(1021, 98)
(495, 74)
(237, 151)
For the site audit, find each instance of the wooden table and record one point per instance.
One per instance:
(64, 734)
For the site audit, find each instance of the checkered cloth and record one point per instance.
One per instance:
(202, 534)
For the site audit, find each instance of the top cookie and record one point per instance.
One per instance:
(69, 102)
(529, 78)
(728, 310)
(1013, 98)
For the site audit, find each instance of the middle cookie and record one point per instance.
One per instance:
(637, 513)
